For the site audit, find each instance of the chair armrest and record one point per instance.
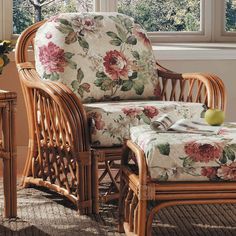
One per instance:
(59, 149)
(193, 87)
(216, 87)
(77, 108)
(67, 101)
(141, 179)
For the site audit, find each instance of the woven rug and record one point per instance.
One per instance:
(42, 213)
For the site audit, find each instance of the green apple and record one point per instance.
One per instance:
(214, 116)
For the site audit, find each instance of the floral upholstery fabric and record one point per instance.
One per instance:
(187, 156)
(100, 56)
(111, 121)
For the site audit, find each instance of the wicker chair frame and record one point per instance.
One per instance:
(48, 139)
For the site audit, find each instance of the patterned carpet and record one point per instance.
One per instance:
(46, 213)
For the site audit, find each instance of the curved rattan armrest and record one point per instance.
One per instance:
(163, 72)
(77, 110)
(64, 96)
(213, 84)
(141, 179)
(217, 87)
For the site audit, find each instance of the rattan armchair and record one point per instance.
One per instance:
(60, 153)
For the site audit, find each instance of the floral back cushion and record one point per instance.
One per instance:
(100, 56)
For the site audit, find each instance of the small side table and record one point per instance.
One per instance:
(8, 151)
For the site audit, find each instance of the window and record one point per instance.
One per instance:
(26, 12)
(164, 15)
(165, 20)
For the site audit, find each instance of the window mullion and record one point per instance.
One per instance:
(6, 13)
(108, 5)
(1, 19)
(208, 19)
(97, 5)
(221, 35)
(218, 19)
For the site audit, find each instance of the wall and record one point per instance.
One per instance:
(223, 68)
(9, 81)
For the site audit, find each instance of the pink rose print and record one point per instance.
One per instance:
(157, 92)
(52, 58)
(86, 87)
(209, 172)
(203, 152)
(142, 35)
(99, 124)
(116, 65)
(88, 23)
(223, 131)
(48, 35)
(85, 25)
(97, 119)
(227, 172)
(150, 111)
(132, 112)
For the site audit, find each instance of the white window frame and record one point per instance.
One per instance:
(203, 35)
(220, 34)
(6, 13)
(212, 17)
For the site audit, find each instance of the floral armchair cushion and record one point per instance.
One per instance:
(188, 156)
(100, 56)
(111, 121)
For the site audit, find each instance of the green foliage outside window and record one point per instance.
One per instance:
(230, 15)
(154, 15)
(163, 15)
(27, 12)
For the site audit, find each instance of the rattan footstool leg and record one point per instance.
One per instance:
(142, 213)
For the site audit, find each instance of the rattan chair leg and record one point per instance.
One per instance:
(95, 193)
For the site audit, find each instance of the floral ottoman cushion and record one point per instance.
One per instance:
(100, 56)
(188, 156)
(110, 122)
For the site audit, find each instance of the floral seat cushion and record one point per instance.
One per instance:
(100, 56)
(187, 156)
(110, 122)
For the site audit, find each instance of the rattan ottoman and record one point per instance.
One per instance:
(211, 158)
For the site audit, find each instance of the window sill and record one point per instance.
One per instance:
(195, 51)
(184, 51)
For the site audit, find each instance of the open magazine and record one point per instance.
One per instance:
(167, 123)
